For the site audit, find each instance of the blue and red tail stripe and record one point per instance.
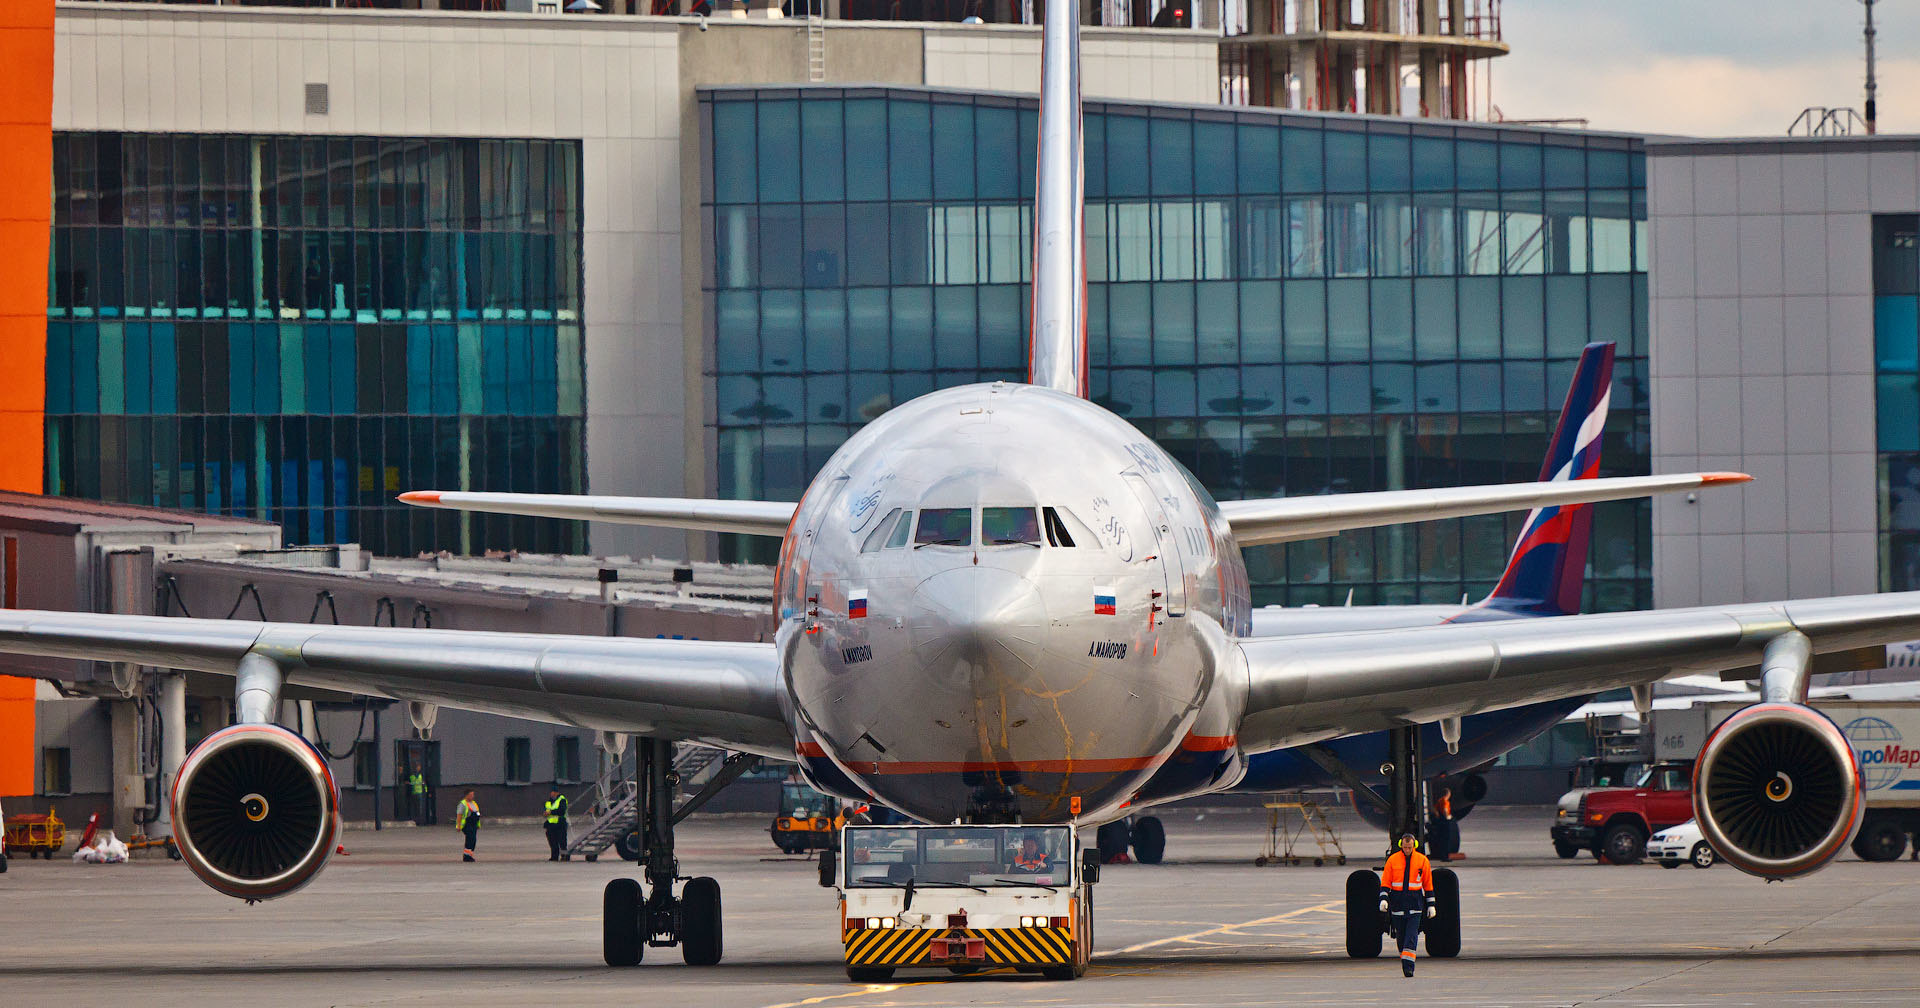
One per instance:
(1547, 571)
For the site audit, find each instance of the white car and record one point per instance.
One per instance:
(1680, 843)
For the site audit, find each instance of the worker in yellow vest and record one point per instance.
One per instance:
(556, 824)
(466, 819)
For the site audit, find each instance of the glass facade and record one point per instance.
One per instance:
(295, 329)
(1896, 351)
(1291, 304)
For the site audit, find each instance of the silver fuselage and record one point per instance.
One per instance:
(984, 680)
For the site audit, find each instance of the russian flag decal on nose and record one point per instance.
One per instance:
(857, 603)
(1102, 600)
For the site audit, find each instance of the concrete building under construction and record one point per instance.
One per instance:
(1386, 57)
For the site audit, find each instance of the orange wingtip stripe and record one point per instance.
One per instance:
(420, 497)
(1716, 478)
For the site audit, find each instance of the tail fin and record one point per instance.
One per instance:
(1058, 344)
(1547, 571)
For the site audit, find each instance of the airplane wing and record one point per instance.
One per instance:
(1307, 688)
(1285, 519)
(720, 693)
(767, 518)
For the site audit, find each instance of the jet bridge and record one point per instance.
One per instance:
(87, 556)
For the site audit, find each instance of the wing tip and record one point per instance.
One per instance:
(421, 498)
(1724, 478)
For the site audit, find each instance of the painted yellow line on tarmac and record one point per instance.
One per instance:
(868, 989)
(1291, 914)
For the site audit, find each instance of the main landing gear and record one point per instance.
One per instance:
(634, 919)
(1366, 925)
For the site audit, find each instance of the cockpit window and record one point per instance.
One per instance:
(1002, 526)
(1063, 529)
(901, 530)
(881, 533)
(944, 527)
(1057, 533)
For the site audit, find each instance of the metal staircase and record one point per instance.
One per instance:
(618, 799)
(690, 764)
(618, 817)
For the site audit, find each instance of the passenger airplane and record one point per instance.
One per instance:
(1001, 602)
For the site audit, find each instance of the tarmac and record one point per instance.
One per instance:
(400, 921)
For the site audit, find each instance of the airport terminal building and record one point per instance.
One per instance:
(302, 260)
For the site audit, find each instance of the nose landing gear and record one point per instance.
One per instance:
(633, 919)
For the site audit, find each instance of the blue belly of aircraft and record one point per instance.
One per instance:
(1482, 737)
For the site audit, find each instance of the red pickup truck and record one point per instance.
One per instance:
(1614, 823)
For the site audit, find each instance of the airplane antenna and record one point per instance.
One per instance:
(1058, 352)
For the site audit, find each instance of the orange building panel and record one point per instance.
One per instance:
(26, 220)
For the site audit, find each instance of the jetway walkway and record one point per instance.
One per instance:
(86, 556)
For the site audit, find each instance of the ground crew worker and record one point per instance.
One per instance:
(1406, 892)
(1030, 858)
(417, 783)
(467, 820)
(1441, 837)
(556, 824)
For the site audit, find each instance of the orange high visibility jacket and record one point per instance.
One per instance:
(1407, 871)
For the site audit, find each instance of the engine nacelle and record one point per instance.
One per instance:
(255, 812)
(1777, 790)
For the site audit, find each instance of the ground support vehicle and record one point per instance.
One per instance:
(1885, 736)
(1681, 843)
(965, 898)
(1614, 823)
(38, 835)
(808, 820)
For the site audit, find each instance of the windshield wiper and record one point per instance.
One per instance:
(1017, 542)
(941, 542)
(1029, 882)
(905, 905)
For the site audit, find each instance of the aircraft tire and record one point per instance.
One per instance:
(700, 936)
(1365, 929)
(1149, 840)
(621, 942)
(1443, 931)
(627, 844)
(1113, 840)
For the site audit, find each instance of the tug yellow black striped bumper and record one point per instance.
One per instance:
(1029, 946)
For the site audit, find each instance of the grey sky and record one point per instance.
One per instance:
(1703, 67)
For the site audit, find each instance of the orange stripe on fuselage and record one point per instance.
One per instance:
(1120, 765)
(1209, 743)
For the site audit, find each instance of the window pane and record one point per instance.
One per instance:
(944, 527)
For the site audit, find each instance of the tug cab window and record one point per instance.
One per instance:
(944, 527)
(1006, 526)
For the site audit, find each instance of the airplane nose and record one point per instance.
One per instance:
(980, 616)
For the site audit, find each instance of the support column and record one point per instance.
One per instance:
(129, 780)
(173, 748)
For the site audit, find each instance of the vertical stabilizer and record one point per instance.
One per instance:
(1548, 569)
(1057, 357)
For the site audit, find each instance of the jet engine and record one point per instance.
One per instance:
(1777, 790)
(255, 812)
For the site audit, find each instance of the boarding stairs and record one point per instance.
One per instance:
(619, 802)
(618, 799)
